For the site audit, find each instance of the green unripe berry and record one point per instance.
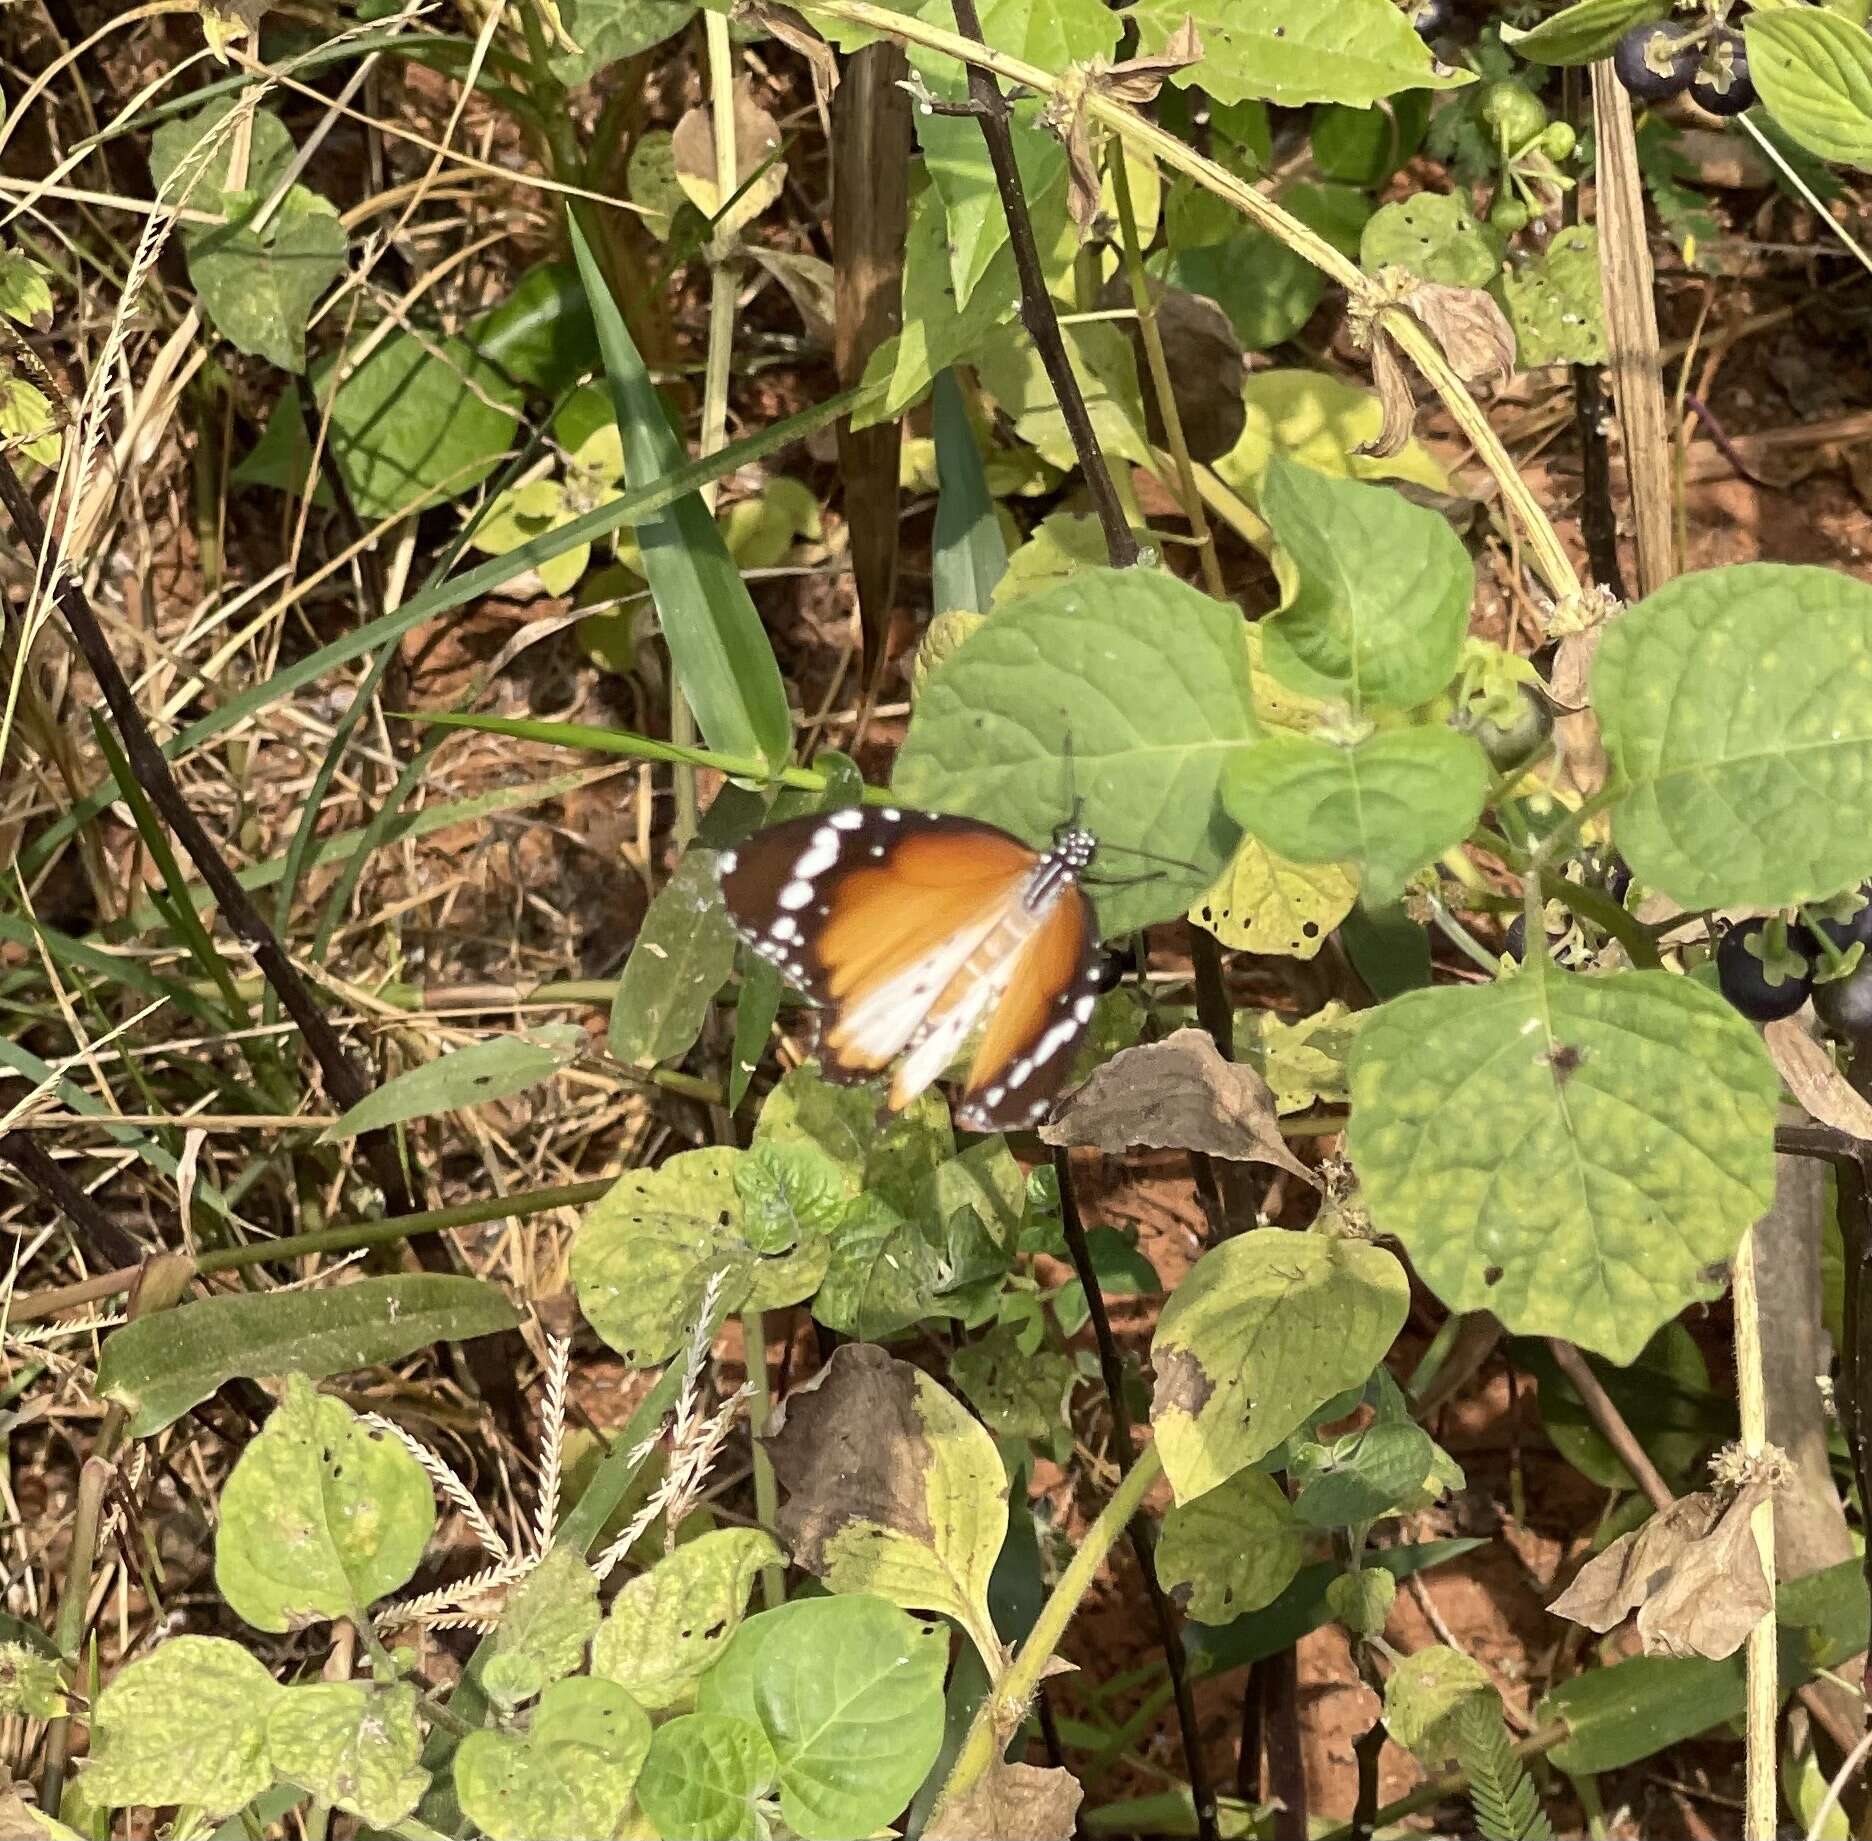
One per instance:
(1559, 140)
(1509, 215)
(1513, 111)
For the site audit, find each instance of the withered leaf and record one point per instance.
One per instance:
(1177, 1094)
(1471, 328)
(1204, 355)
(1692, 1573)
(1394, 396)
(1134, 81)
(1012, 1802)
(1582, 752)
(1813, 1079)
(792, 30)
(756, 143)
(893, 1488)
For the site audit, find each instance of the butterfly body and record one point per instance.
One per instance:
(912, 929)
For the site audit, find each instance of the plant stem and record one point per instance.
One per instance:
(345, 1080)
(1003, 1709)
(1037, 311)
(1111, 1369)
(1610, 1421)
(1162, 386)
(51, 1303)
(1137, 131)
(1764, 1697)
(100, 1236)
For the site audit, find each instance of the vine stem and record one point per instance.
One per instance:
(1003, 1708)
(1131, 127)
(1158, 364)
(1763, 1670)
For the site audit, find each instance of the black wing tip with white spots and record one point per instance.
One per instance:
(1025, 1096)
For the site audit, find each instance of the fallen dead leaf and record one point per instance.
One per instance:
(1177, 1094)
(1012, 1802)
(1204, 357)
(1692, 1573)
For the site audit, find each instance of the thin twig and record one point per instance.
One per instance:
(1763, 1674)
(1611, 1422)
(1141, 1529)
(1037, 311)
(100, 1236)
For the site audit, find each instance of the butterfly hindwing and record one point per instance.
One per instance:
(1048, 996)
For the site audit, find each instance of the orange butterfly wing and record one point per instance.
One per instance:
(1027, 1051)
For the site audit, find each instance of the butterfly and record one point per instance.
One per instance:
(913, 928)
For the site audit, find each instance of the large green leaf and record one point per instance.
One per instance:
(1577, 1155)
(1267, 290)
(1055, 34)
(1436, 236)
(570, 1773)
(1265, 1328)
(1555, 303)
(606, 30)
(185, 1724)
(1737, 706)
(161, 1365)
(1813, 68)
(667, 1626)
(849, 1693)
(353, 1745)
(1231, 1550)
(269, 153)
(321, 1516)
(1127, 690)
(704, 1777)
(257, 286)
(420, 420)
(1580, 33)
(1294, 51)
(1347, 629)
(720, 652)
(1390, 804)
(956, 157)
(645, 1254)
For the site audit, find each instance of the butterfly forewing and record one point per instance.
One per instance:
(912, 928)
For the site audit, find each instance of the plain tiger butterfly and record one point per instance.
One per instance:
(912, 928)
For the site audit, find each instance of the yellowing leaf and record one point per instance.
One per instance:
(893, 1489)
(1263, 903)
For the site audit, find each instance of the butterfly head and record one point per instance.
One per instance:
(1074, 847)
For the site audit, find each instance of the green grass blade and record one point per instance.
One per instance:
(485, 578)
(717, 645)
(968, 552)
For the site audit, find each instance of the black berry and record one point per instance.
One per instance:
(1842, 933)
(1844, 1006)
(1722, 84)
(1429, 17)
(1653, 61)
(1748, 983)
(1114, 965)
(1508, 744)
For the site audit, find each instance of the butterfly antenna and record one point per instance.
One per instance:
(1074, 803)
(1150, 856)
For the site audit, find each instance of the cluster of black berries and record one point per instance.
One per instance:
(1766, 983)
(1666, 57)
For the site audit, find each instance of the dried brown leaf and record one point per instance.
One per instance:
(1813, 1079)
(1471, 328)
(1394, 395)
(1576, 733)
(790, 29)
(808, 284)
(1177, 1094)
(1139, 79)
(757, 141)
(1136, 80)
(1012, 1802)
(1692, 1573)
(1204, 355)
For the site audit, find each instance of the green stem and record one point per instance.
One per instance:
(766, 1485)
(1005, 1706)
(43, 1304)
(1159, 366)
